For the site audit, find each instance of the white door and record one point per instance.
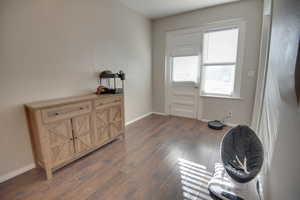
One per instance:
(183, 74)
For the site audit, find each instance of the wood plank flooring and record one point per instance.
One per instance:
(161, 158)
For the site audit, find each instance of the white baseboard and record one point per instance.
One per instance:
(143, 116)
(17, 172)
(231, 124)
(138, 118)
(159, 113)
(227, 124)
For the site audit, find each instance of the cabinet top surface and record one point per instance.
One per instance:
(67, 100)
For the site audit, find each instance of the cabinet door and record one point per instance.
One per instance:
(82, 130)
(102, 126)
(61, 145)
(116, 121)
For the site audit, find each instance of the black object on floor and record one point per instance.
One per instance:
(216, 125)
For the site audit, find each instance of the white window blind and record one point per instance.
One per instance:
(185, 68)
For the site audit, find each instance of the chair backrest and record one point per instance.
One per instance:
(242, 154)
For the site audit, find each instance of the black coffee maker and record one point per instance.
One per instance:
(106, 87)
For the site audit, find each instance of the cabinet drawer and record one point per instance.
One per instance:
(67, 111)
(100, 103)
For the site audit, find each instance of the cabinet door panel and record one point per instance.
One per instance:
(116, 113)
(102, 117)
(116, 128)
(82, 133)
(116, 122)
(102, 135)
(102, 124)
(60, 142)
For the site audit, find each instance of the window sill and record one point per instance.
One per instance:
(184, 84)
(221, 97)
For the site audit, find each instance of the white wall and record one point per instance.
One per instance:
(248, 10)
(53, 48)
(279, 128)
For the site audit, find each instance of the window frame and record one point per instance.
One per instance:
(241, 26)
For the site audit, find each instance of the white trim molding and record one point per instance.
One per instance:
(262, 72)
(159, 113)
(240, 25)
(138, 118)
(143, 116)
(17, 172)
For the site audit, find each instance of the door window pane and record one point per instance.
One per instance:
(185, 69)
(219, 79)
(221, 46)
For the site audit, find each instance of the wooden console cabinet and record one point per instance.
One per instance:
(64, 130)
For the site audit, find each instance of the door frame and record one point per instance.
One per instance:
(192, 30)
(262, 68)
(168, 71)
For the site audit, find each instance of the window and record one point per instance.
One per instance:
(185, 69)
(220, 51)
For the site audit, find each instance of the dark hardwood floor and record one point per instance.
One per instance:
(161, 158)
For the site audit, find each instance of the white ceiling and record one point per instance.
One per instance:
(162, 8)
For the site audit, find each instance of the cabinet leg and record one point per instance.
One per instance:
(49, 174)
